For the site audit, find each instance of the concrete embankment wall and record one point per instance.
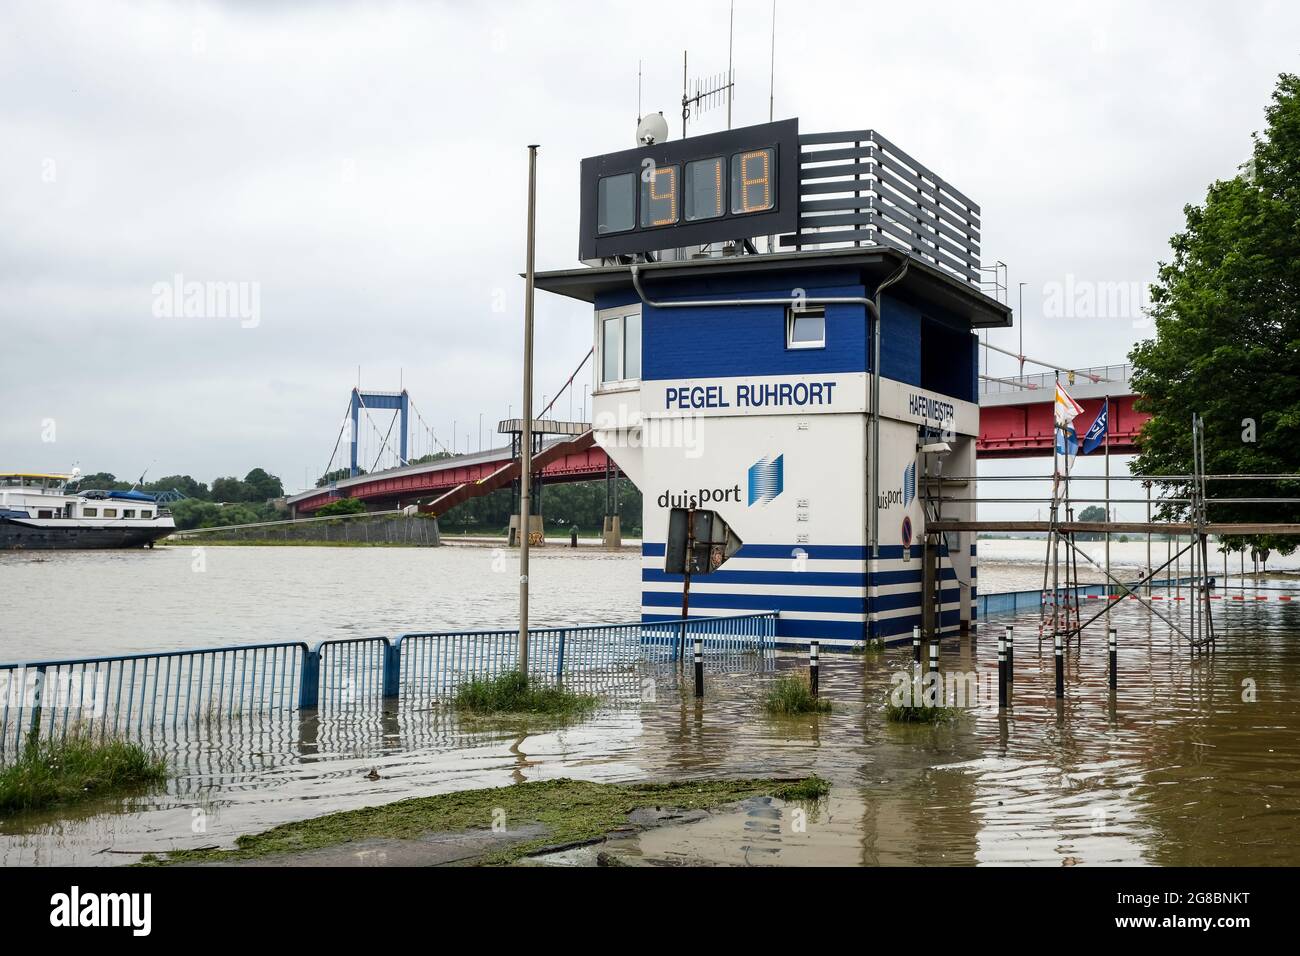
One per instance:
(384, 529)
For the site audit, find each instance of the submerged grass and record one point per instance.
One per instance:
(793, 695)
(573, 811)
(50, 772)
(511, 693)
(919, 714)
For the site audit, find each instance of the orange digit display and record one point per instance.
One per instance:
(704, 189)
(659, 197)
(751, 182)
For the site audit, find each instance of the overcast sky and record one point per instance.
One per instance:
(363, 167)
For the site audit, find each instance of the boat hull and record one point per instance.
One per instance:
(21, 536)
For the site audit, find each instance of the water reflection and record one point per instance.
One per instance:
(1193, 760)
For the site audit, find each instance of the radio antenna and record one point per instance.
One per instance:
(771, 82)
(638, 91)
(705, 93)
(731, 42)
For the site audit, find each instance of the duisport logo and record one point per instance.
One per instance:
(766, 479)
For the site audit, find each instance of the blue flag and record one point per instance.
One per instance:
(1067, 441)
(1097, 433)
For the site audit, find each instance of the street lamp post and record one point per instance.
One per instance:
(1020, 317)
(526, 438)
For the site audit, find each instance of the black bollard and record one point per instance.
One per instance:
(573, 536)
(1113, 641)
(1011, 654)
(1060, 669)
(1002, 670)
(916, 644)
(699, 667)
(813, 650)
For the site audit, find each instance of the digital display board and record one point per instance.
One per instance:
(715, 188)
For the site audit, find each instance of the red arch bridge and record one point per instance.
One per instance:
(1015, 422)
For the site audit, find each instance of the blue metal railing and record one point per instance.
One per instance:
(137, 695)
(125, 695)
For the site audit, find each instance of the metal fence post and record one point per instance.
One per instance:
(392, 668)
(309, 683)
(38, 692)
(559, 662)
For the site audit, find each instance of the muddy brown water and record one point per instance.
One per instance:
(1194, 761)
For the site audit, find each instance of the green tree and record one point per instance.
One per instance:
(260, 485)
(101, 481)
(229, 489)
(182, 483)
(344, 506)
(1227, 320)
(336, 475)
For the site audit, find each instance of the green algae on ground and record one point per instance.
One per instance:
(802, 791)
(573, 811)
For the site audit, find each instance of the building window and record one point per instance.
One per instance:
(805, 329)
(620, 348)
(90, 512)
(110, 512)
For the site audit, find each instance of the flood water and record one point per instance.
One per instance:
(1195, 760)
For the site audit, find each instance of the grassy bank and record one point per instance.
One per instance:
(573, 811)
(50, 773)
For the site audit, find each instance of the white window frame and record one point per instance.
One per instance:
(622, 383)
(791, 313)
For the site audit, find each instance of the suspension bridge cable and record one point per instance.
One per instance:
(391, 423)
(590, 352)
(337, 441)
(432, 437)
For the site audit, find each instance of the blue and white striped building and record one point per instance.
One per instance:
(744, 384)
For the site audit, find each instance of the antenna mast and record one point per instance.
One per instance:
(771, 82)
(731, 42)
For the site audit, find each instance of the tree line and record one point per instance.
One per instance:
(255, 497)
(1227, 337)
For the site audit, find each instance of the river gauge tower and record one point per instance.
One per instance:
(785, 333)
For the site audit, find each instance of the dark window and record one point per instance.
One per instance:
(616, 203)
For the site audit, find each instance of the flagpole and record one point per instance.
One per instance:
(1052, 532)
(1107, 494)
